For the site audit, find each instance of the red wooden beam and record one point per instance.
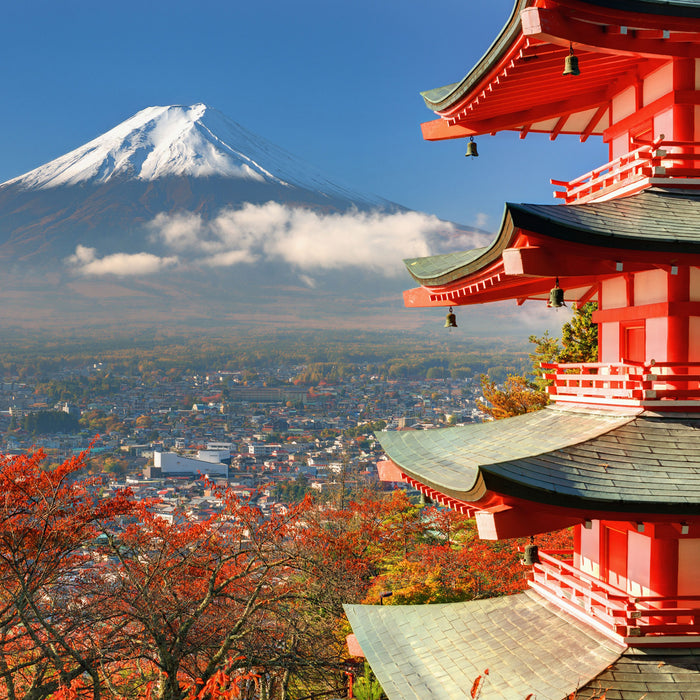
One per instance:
(659, 310)
(555, 27)
(439, 130)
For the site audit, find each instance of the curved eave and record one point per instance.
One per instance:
(577, 460)
(654, 220)
(458, 461)
(441, 98)
(435, 270)
(523, 68)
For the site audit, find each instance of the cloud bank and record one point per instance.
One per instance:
(86, 262)
(308, 241)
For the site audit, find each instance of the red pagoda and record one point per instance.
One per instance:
(616, 455)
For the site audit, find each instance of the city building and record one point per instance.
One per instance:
(616, 455)
(208, 463)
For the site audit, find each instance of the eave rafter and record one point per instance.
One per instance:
(613, 48)
(527, 269)
(555, 27)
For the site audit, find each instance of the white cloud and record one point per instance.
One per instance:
(305, 239)
(481, 220)
(85, 262)
(308, 241)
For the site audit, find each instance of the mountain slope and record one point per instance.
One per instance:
(178, 141)
(180, 213)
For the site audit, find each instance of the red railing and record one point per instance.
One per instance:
(660, 385)
(612, 609)
(649, 164)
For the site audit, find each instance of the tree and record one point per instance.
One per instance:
(516, 397)
(104, 596)
(579, 336)
(51, 633)
(579, 342)
(519, 394)
(200, 598)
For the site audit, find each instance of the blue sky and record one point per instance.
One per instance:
(336, 83)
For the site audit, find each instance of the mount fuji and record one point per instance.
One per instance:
(179, 214)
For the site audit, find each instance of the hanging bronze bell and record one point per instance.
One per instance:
(471, 148)
(531, 555)
(556, 296)
(450, 320)
(571, 64)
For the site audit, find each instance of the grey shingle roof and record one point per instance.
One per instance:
(653, 220)
(661, 674)
(573, 459)
(437, 651)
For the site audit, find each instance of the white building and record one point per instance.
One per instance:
(207, 463)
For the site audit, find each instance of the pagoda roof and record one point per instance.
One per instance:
(655, 220)
(526, 645)
(524, 64)
(582, 459)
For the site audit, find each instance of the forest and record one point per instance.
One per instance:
(330, 356)
(100, 598)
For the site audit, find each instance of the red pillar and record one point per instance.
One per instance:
(678, 326)
(684, 114)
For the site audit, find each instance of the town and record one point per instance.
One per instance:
(267, 436)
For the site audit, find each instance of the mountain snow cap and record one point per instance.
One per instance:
(175, 141)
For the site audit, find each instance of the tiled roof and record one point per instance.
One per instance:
(576, 459)
(661, 674)
(438, 651)
(654, 220)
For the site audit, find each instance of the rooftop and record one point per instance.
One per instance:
(591, 460)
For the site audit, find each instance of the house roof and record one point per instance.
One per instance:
(579, 459)
(520, 645)
(654, 220)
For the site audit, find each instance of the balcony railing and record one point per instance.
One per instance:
(638, 620)
(661, 385)
(668, 163)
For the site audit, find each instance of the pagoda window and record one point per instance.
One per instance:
(624, 104)
(613, 293)
(587, 548)
(694, 284)
(694, 340)
(657, 344)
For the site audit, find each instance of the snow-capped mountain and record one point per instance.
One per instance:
(179, 141)
(180, 210)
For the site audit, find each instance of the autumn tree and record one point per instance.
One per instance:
(579, 341)
(515, 397)
(51, 628)
(200, 597)
(523, 394)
